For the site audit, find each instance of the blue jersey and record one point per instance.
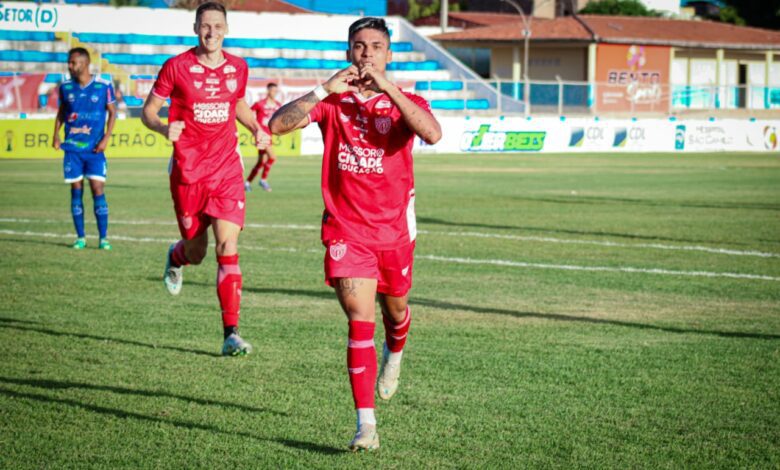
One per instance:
(85, 113)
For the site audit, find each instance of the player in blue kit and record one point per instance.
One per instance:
(85, 101)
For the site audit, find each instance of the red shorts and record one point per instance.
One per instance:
(391, 268)
(196, 204)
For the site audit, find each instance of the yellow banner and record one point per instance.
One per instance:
(31, 138)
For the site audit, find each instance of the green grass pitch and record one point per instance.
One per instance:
(595, 311)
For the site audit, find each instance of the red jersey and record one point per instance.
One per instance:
(205, 99)
(264, 109)
(367, 170)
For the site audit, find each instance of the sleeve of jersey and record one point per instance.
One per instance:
(110, 95)
(163, 86)
(244, 80)
(317, 112)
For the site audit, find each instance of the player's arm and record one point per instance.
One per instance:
(295, 114)
(246, 117)
(103, 144)
(55, 141)
(419, 120)
(150, 116)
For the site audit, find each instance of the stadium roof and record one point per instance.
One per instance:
(626, 29)
(468, 19)
(274, 6)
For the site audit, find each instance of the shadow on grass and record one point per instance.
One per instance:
(36, 241)
(521, 314)
(62, 385)
(123, 414)
(12, 324)
(630, 236)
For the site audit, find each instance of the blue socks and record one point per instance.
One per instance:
(77, 210)
(101, 214)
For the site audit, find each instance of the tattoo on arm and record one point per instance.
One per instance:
(292, 113)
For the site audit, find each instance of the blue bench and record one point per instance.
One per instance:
(439, 86)
(159, 40)
(477, 104)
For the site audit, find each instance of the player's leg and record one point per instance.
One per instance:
(395, 281)
(188, 202)
(229, 281)
(270, 159)
(357, 297)
(96, 174)
(352, 270)
(397, 318)
(73, 170)
(255, 170)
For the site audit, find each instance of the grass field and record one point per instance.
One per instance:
(570, 311)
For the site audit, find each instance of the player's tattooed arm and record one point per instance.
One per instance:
(295, 114)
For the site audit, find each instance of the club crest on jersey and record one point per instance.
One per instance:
(197, 84)
(71, 98)
(197, 69)
(382, 124)
(337, 251)
(94, 98)
(229, 69)
(231, 84)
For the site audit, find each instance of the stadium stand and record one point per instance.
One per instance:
(418, 64)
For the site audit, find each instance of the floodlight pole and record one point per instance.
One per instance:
(526, 37)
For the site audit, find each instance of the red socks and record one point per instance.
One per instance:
(267, 168)
(178, 258)
(395, 334)
(361, 363)
(229, 289)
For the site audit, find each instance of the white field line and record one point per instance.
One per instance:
(493, 262)
(617, 269)
(568, 241)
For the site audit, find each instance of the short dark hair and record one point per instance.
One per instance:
(209, 6)
(371, 23)
(79, 51)
(271, 85)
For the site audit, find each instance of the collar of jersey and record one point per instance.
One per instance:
(85, 86)
(224, 59)
(363, 99)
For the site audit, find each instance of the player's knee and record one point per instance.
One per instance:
(396, 312)
(227, 247)
(195, 253)
(358, 314)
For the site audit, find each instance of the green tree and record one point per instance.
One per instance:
(730, 14)
(618, 8)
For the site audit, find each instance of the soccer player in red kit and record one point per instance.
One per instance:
(266, 158)
(206, 87)
(368, 226)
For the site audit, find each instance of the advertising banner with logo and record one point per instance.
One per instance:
(19, 94)
(552, 135)
(26, 138)
(632, 78)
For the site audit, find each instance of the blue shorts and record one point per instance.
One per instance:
(80, 165)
